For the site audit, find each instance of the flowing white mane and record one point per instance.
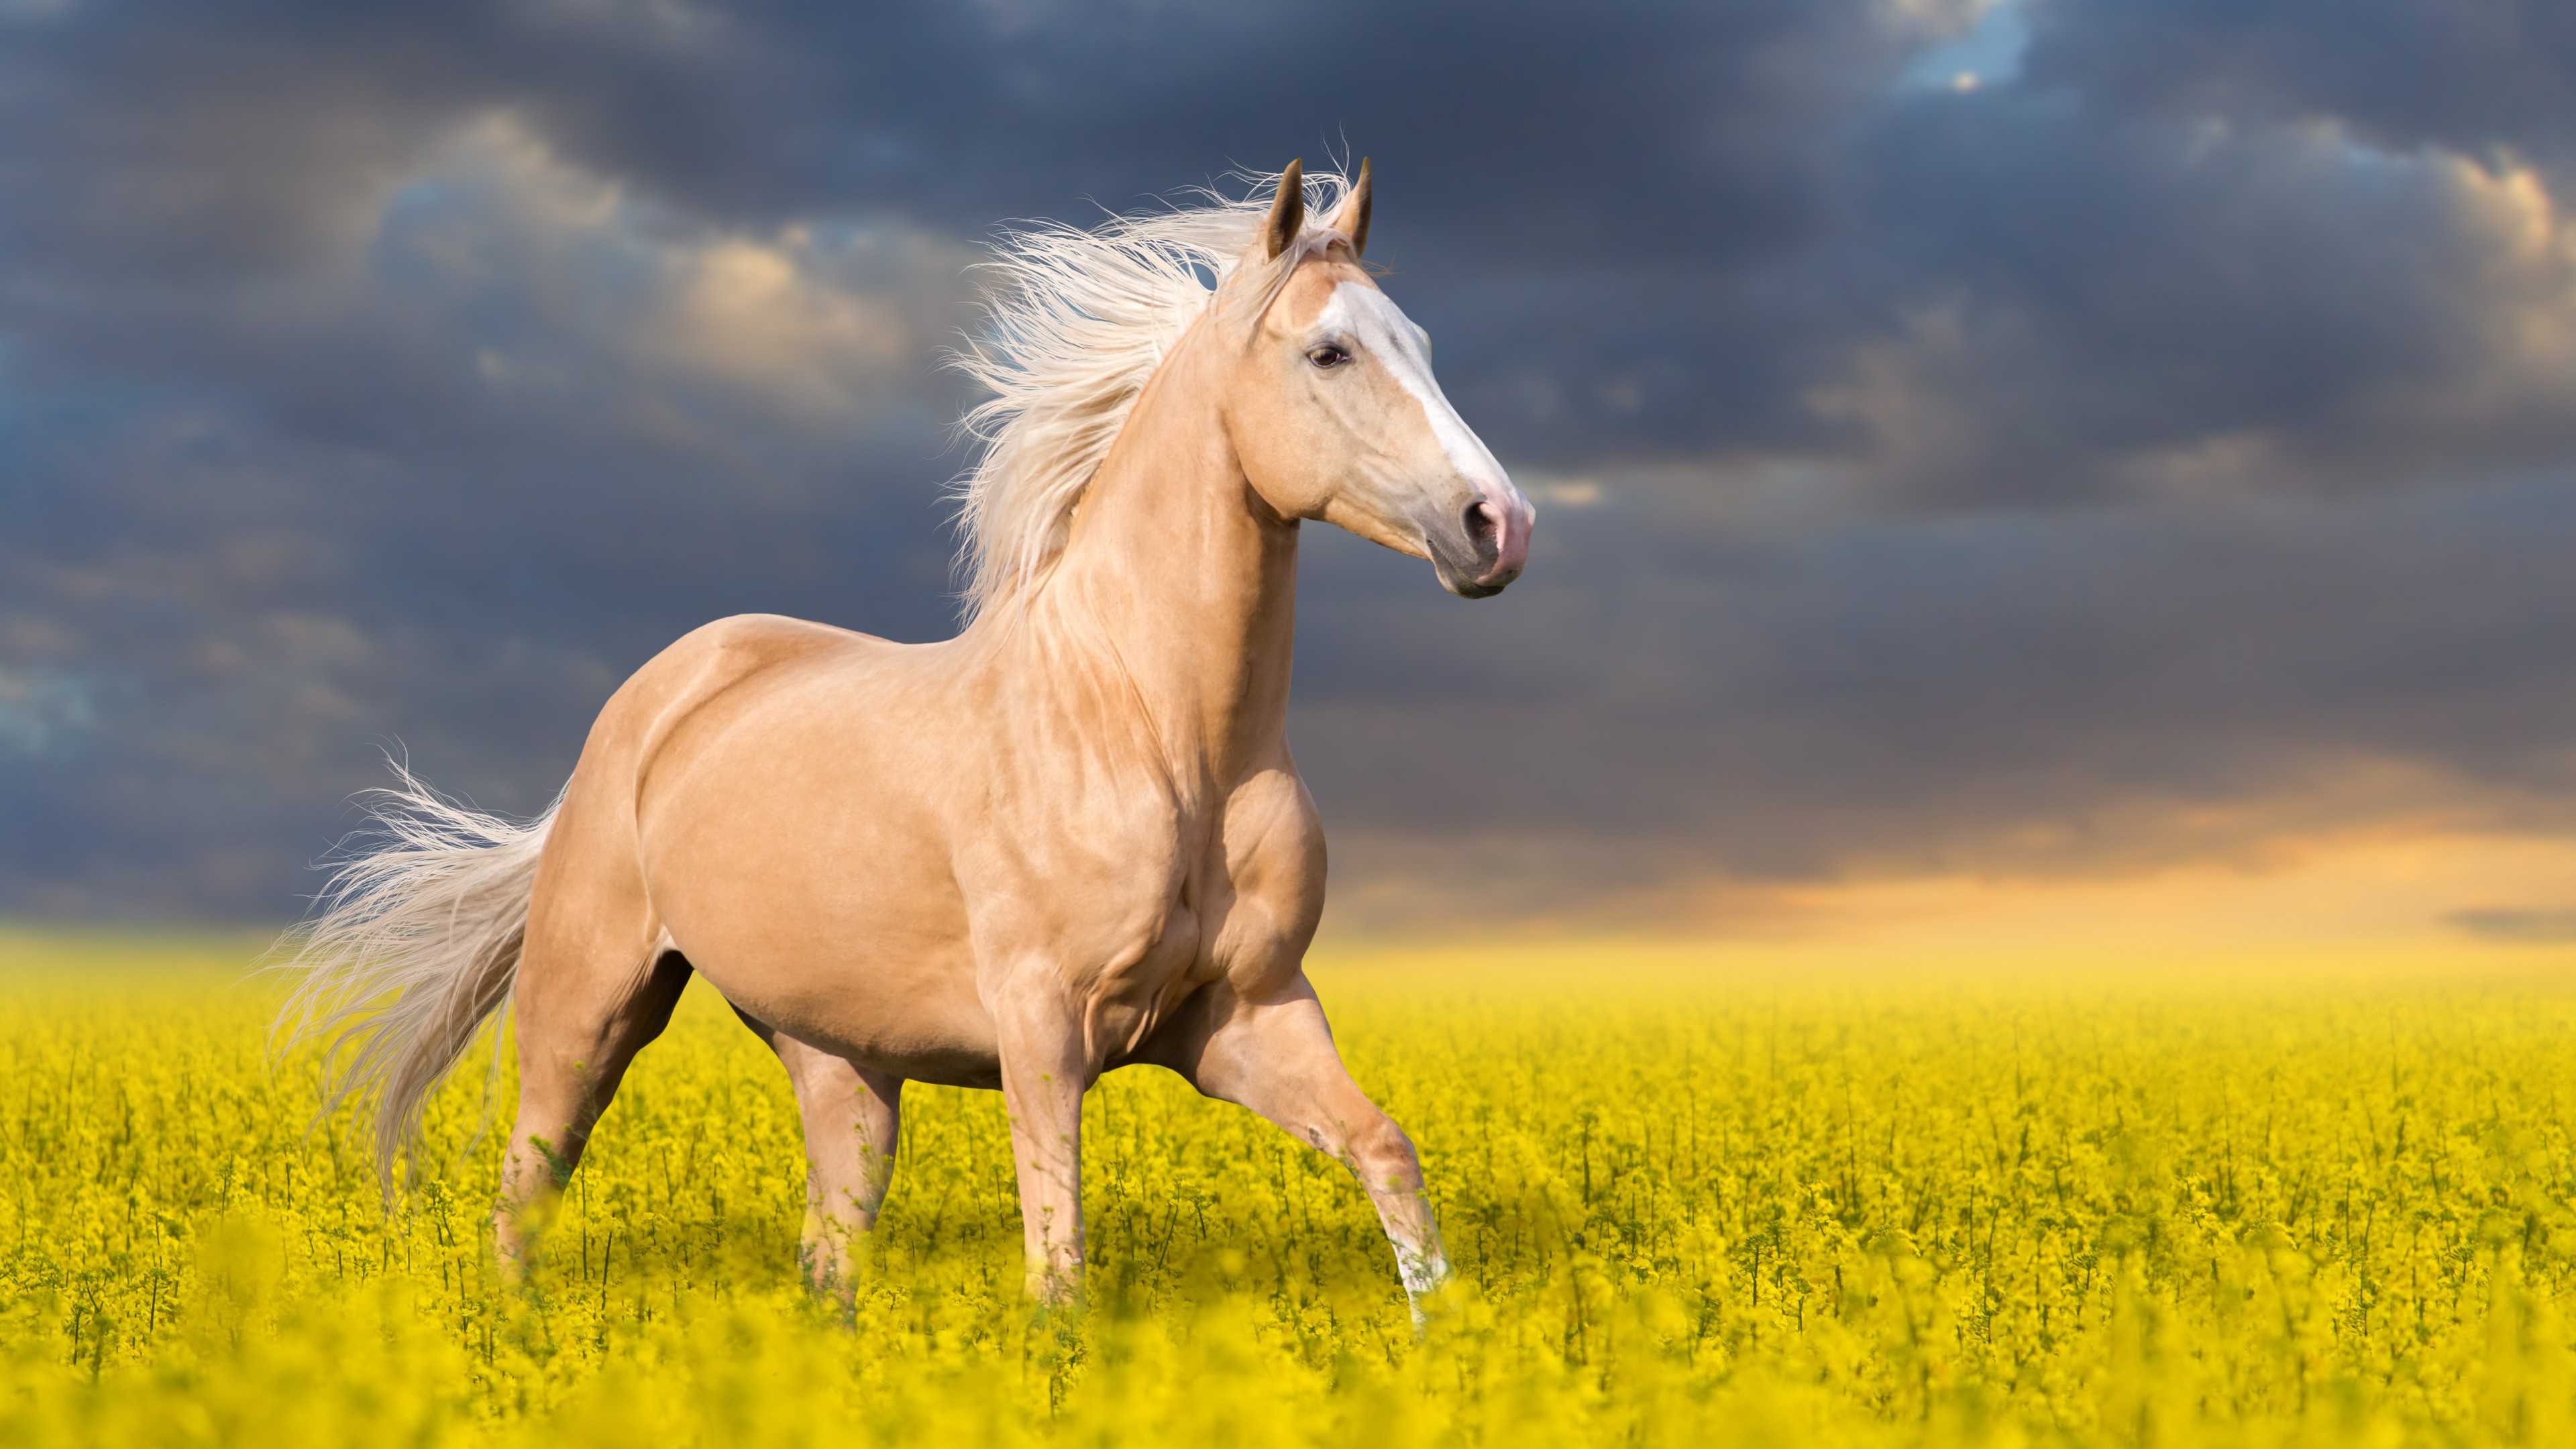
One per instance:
(1077, 323)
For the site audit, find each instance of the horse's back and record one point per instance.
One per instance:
(718, 656)
(705, 669)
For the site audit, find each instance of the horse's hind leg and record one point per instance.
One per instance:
(1277, 1058)
(851, 1116)
(581, 1016)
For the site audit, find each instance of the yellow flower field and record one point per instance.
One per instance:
(1683, 1211)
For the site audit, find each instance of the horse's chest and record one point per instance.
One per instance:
(1239, 903)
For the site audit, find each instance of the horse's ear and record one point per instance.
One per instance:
(1288, 211)
(1351, 219)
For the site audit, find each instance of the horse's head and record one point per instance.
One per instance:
(1335, 414)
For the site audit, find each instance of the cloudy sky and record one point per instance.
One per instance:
(2024, 446)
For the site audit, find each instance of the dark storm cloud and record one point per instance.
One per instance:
(2471, 76)
(2162, 450)
(234, 137)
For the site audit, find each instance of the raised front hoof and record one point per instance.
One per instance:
(1432, 1295)
(1441, 1308)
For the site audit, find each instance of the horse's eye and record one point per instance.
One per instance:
(1327, 356)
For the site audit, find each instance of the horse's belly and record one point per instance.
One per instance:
(915, 1017)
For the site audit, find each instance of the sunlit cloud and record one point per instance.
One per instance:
(552, 274)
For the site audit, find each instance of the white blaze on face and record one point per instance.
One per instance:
(1385, 333)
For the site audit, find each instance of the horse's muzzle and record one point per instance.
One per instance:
(1489, 549)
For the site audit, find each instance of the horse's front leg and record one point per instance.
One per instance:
(1276, 1056)
(1043, 1076)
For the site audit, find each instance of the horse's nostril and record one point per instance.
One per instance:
(1484, 530)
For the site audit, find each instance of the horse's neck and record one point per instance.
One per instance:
(1179, 579)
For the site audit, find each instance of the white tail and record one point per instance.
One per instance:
(415, 946)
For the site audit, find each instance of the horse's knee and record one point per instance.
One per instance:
(1381, 1154)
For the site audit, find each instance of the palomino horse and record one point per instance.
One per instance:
(1067, 840)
